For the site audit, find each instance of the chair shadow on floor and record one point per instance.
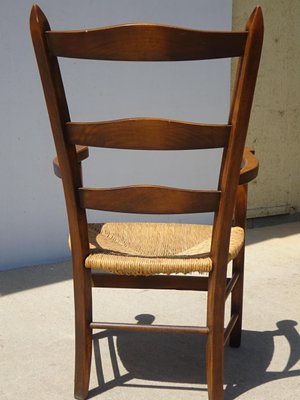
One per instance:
(166, 358)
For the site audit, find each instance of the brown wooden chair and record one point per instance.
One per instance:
(144, 255)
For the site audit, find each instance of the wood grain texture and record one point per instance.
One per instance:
(82, 152)
(160, 282)
(148, 134)
(163, 282)
(238, 267)
(149, 200)
(250, 166)
(229, 180)
(71, 177)
(231, 324)
(145, 42)
(249, 170)
(150, 328)
(231, 284)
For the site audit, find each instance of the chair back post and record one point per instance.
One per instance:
(59, 115)
(229, 175)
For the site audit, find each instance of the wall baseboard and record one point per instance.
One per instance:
(272, 220)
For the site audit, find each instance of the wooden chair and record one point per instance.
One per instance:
(149, 253)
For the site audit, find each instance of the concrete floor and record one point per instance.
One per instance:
(36, 336)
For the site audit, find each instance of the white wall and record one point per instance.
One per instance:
(33, 223)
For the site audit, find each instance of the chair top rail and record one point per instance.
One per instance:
(146, 42)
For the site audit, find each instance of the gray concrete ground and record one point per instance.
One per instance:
(36, 336)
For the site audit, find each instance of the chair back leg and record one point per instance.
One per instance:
(215, 364)
(215, 339)
(83, 331)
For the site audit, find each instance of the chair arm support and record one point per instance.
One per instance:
(249, 168)
(82, 154)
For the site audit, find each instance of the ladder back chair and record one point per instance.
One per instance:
(148, 255)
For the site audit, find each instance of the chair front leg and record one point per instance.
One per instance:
(238, 267)
(237, 300)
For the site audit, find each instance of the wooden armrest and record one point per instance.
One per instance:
(249, 168)
(248, 172)
(82, 154)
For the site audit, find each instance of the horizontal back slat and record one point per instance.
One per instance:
(145, 42)
(149, 200)
(148, 134)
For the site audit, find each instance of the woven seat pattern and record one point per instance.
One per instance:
(154, 248)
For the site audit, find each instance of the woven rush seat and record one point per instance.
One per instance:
(154, 248)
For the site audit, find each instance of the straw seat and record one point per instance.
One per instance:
(154, 248)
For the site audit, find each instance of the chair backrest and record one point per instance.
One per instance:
(147, 42)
